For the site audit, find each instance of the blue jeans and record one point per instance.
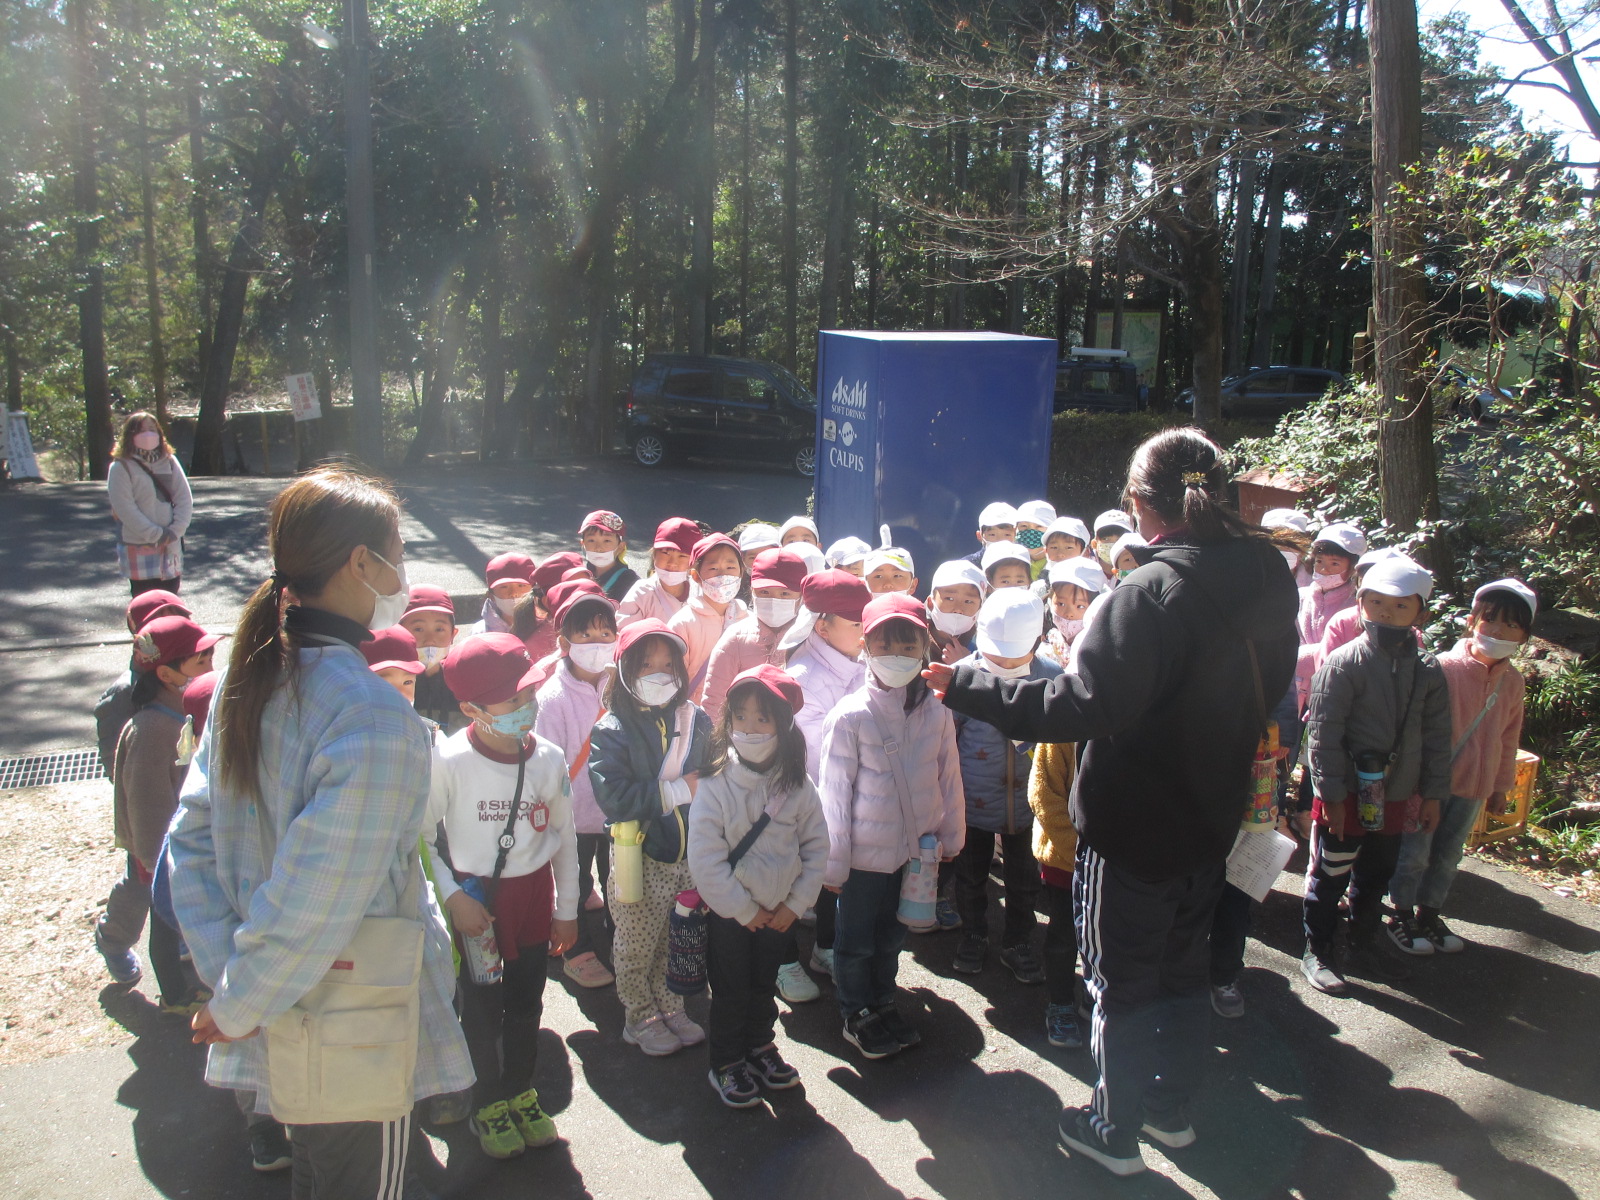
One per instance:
(1428, 861)
(867, 939)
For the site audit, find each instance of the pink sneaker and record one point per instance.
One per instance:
(593, 902)
(588, 971)
(686, 1030)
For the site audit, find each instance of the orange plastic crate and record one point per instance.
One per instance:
(1494, 827)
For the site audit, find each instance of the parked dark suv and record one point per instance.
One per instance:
(1098, 381)
(708, 406)
(1269, 392)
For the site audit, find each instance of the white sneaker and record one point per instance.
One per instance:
(822, 961)
(685, 1030)
(652, 1036)
(795, 986)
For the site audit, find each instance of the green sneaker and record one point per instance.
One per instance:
(497, 1132)
(533, 1122)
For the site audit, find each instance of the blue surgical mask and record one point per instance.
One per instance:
(514, 724)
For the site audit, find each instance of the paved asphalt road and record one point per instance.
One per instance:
(1479, 1077)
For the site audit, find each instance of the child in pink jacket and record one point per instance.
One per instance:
(775, 578)
(717, 575)
(874, 822)
(1486, 697)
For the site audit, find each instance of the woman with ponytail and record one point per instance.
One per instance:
(300, 817)
(1170, 701)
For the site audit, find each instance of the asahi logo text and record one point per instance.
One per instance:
(850, 399)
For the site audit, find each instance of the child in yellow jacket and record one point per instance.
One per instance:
(1055, 845)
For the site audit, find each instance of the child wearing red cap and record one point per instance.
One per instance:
(508, 578)
(571, 700)
(666, 589)
(168, 652)
(718, 570)
(890, 775)
(775, 579)
(430, 618)
(115, 706)
(503, 799)
(757, 848)
(645, 759)
(603, 536)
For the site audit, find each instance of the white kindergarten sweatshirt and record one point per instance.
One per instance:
(471, 793)
(783, 866)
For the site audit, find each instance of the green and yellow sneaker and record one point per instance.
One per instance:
(533, 1122)
(497, 1132)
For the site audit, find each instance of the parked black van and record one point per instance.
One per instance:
(1098, 381)
(710, 406)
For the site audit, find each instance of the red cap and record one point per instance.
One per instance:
(576, 575)
(566, 595)
(512, 567)
(710, 542)
(197, 699)
(490, 668)
(677, 533)
(776, 680)
(635, 631)
(778, 568)
(554, 569)
(147, 606)
(891, 605)
(167, 641)
(602, 518)
(393, 647)
(427, 598)
(835, 593)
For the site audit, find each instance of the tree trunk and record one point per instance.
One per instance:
(1271, 245)
(147, 203)
(13, 360)
(1015, 141)
(491, 431)
(1407, 482)
(1244, 198)
(200, 224)
(961, 152)
(838, 151)
(702, 246)
(89, 270)
(789, 252)
(430, 420)
(745, 201)
(872, 264)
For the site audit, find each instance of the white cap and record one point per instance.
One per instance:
(1080, 572)
(996, 552)
(959, 571)
(1376, 556)
(1010, 623)
(1286, 518)
(1126, 542)
(1346, 536)
(798, 523)
(1037, 512)
(847, 550)
(1398, 576)
(888, 554)
(1516, 587)
(757, 537)
(1114, 517)
(998, 513)
(1070, 526)
(814, 558)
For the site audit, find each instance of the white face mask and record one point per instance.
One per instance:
(654, 690)
(722, 589)
(147, 440)
(600, 560)
(593, 657)
(1327, 582)
(431, 656)
(1069, 627)
(505, 605)
(1493, 647)
(386, 613)
(952, 624)
(1290, 557)
(985, 663)
(754, 748)
(894, 670)
(775, 613)
(672, 578)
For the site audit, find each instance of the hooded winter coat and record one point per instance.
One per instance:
(742, 646)
(1488, 760)
(1164, 695)
(826, 677)
(994, 769)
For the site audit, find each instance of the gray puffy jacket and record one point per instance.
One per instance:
(1358, 699)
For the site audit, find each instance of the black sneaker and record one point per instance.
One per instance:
(269, 1147)
(1119, 1154)
(864, 1030)
(1405, 932)
(900, 1029)
(1318, 968)
(1024, 963)
(767, 1065)
(1171, 1129)
(735, 1085)
(970, 954)
(1372, 956)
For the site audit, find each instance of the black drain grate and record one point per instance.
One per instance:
(41, 770)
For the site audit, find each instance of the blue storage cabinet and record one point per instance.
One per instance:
(918, 431)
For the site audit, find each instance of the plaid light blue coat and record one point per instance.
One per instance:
(344, 775)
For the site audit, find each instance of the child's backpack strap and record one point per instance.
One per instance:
(583, 755)
(1493, 699)
(908, 812)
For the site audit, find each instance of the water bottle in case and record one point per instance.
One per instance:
(1371, 766)
(482, 953)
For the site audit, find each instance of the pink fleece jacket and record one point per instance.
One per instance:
(742, 646)
(568, 709)
(1488, 762)
(701, 627)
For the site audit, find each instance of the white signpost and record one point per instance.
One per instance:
(303, 397)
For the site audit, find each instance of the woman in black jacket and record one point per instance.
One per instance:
(1168, 703)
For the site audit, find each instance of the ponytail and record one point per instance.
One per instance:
(1181, 475)
(313, 526)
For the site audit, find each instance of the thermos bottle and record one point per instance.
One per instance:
(1371, 766)
(482, 952)
(627, 860)
(920, 886)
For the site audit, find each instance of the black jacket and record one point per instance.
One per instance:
(625, 757)
(1165, 701)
